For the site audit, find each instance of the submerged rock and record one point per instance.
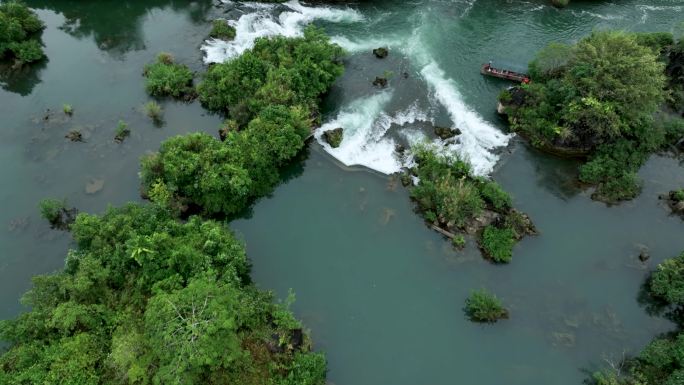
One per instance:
(94, 185)
(446, 132)
(334, 137)
(380, 82)
(74, 136)
(381, 52)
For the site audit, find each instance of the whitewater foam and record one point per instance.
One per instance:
(365, 125)
(265, 20)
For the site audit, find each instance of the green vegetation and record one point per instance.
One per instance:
(51, 209)
(497, 243)
(122, 131)
(271, 92)
(458, 241)
(277, 71)
(153, 110)
(482, 306)
(220, 29)
(19, 33)
(167, 78)
(68, 109)
(661, 361)
(452, 198)
(598, 99)
(146, 299)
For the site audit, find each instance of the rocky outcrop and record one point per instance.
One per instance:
(381, 52)
(380, 82)
(445, 133)
(74, 136)
(334, 137)
(675, 199)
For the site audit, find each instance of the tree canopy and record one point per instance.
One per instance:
(19, 28)
(598, 98)
(145, 299)
(271, 93)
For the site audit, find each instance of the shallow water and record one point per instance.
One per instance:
(381, 293)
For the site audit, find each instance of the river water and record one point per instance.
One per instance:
(381, 293)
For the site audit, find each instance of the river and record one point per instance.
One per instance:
(381, 293)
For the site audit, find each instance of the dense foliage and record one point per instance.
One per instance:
(167, 78)
(597, 98)
(450, 197)
(277, 71)
(145, 299)
(19, 30)
(482, 306)
(220, 29)
(270, 92)
(662, 360)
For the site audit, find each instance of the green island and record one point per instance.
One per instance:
(270, 158)
(598, 100)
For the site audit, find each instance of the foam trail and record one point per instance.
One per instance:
(365, 125)
(477, 137)
(264, 20)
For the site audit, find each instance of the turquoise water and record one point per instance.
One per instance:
(381, 293)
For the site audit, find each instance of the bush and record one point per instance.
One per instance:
(498, 243)
(667, 282)
(166, 78)
(19, 27)
(220, 29)
(153, 110)
(27, 51)
(122, 131)
(493, 194)
(51, 209)
(458, 241)
(481, 306)
(68, 109)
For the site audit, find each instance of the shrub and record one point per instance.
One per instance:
(482, 306)
(498, 243)
(493, 194)
(51, 209)
(27, 51)
(220, 29)
(122, 131)
(667, 282)
(153, 110)
(166, 78)
(68, 109)
(458, 241)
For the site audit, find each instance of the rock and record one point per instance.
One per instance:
(380, 82)
(405, 75)
(644, 256)
(564, 339)
(94, 185)
(74, 136)
(500, 109)
(446, 132)
(399, 149)
(381, 52)
(334, 137)
(678, 207)
(406, 180)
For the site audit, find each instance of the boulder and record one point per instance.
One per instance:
(334, 137)
(381, 52)
(380, 82)
(446, 132)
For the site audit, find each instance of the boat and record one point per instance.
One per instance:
(488, 70)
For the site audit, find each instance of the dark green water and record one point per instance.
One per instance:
(381, 293)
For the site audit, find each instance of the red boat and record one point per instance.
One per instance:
(488, 70)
